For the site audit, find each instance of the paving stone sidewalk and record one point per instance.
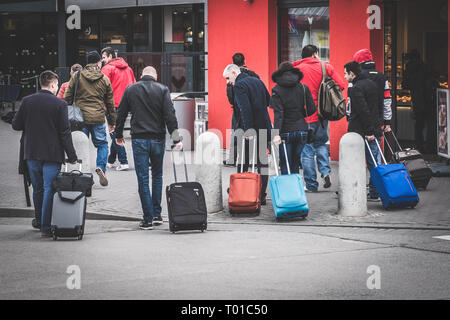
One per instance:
(121, 198)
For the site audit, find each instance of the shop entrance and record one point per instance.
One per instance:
(416, 64)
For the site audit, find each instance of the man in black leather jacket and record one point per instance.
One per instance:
(152, 111)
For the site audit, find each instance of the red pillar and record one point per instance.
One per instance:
(238, 26)
(348, 34)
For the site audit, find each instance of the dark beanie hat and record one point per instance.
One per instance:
(93, 57)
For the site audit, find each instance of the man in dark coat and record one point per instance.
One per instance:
(363, 110)
(43, 119)
(252, 99)
(239, 60)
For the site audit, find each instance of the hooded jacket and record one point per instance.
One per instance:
(365, 58)
(289, 98)
(312, 71)
(120, 75)
(94, 96)
(363, 102)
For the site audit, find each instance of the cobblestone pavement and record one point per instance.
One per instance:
(120, 198)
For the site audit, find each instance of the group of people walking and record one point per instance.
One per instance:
(297, 121)
(107, 94)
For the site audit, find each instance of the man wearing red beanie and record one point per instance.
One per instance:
(365, 58)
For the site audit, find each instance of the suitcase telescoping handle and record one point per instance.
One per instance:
(79, 161)
(371, 154)
(243, 154)
(388, 144)
(395, 138)
(175, 169)
(285, 155)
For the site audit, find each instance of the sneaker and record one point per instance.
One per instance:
(157, 221)
(327, 182)
(35, 224)
(311, 191)
(109, 165)
(145, 226)
(122, 167)
(46, 234)
(102, 177)
(372, 198)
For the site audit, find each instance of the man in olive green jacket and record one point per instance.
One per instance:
(95, 98)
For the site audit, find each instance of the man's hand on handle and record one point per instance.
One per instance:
(120, 142)
(178, 146)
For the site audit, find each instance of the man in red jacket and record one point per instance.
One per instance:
(121, 76)
(311, 67)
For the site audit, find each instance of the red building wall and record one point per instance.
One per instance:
(238, 26)
(345, 39)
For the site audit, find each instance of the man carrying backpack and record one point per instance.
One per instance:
(311, 67)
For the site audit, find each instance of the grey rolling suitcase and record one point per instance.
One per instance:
(69, 204)
(68, 215)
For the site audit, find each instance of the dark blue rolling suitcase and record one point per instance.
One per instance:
(393, 184)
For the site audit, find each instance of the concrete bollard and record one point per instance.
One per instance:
(82, 147)
(352, 176)
(208, 169)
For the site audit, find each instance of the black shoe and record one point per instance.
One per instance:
(327, 182)
(264, 202)
(145, 226)
(157, 221)
(372, 198)
(35, 224)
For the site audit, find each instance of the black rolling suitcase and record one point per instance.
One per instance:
(186, 204)
(414, 162)
(69, 203)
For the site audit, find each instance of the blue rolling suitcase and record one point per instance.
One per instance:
(393, 184)
(288, 194)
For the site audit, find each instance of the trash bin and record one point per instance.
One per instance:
(185, 113)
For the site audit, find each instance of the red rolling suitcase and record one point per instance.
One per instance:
(245, 187)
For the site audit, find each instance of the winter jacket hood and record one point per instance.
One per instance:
(118, 63)
(287, 76)
(92, 72)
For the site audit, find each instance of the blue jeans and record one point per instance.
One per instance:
(295, 142)
(370, 164)
(98, 132)
(116, 151)
(42, 174)
(316, 151)
(143, 152)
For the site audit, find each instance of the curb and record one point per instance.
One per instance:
(29, 213)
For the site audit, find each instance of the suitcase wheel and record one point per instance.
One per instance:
(80, 237)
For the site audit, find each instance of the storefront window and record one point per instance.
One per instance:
(303, 26)
(114, 30)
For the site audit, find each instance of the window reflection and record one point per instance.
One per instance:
(303, 26)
